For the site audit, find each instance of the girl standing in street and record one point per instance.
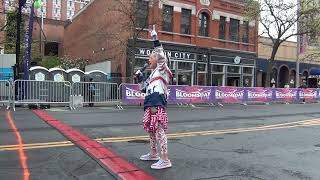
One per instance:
(155, 117)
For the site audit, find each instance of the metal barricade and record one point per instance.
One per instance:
(42, 92)
(96, 92)
(5, 93)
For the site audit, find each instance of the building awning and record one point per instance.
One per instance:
(314, 73)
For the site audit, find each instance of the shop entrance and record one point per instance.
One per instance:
(233, 81)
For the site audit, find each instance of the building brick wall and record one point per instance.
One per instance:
(86, 33)
(53, 31)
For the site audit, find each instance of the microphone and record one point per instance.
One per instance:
(142, 69)
(138, 75)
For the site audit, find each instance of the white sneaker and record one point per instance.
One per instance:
(161, 164)
(149, 157)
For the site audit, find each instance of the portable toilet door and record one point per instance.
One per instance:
(60, 88)
(76, 78)
(39, 73)
(102, 88)
(75, 75)
(40, 88)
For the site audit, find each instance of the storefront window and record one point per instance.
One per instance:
(184, 72)
(184, 78)
(217, 68)
(233, 76)
(202, 74)
(217, 79)
(234, 69)
(247, 81)
(247, 70)
(202, 67)
(202, 79)
(172, 65)
(185, 65)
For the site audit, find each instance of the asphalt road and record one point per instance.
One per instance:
(231, 142)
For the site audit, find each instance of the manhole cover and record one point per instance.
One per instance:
(138, 141)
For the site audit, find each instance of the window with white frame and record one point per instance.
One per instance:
(167, 18)
(142, 13)
(185, 21)
(234, 30)
(204, 24)
(56, 12)
(222, 27)
(248, 73)
(245, 36)
(217, 75)
(42, 10)
(202, 74)
(70, 9)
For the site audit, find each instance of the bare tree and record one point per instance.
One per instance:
(279, 19)
(134, 19)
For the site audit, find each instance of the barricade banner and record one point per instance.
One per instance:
(258, 94)
(285, 94)
(191, 94)
(205, 94)
(131, 94)
(308, 94)
(229, 95)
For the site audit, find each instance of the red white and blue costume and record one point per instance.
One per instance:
(155, 116)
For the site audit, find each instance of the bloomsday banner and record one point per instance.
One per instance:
(206, 94)
(190, 94)
(285, 94)
(258, 94)
(229, 94)
(177, 94)
(308, 94)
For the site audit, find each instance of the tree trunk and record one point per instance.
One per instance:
(270, 64)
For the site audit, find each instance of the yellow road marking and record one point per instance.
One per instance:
(304, 123)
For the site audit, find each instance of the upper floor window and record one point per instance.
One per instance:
(167, 18)
(222, 27)
(234, 30)
(204, 24)
(245, 37)
(185, 21)
(142, 13)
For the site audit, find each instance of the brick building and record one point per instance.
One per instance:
(56, 14)
(53, 9)
(208, 42)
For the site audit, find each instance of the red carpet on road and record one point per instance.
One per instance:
(117, 166)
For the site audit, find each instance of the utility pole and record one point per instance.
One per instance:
(41, 31)
(298, 46)
(17, 70)
(18, 38)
